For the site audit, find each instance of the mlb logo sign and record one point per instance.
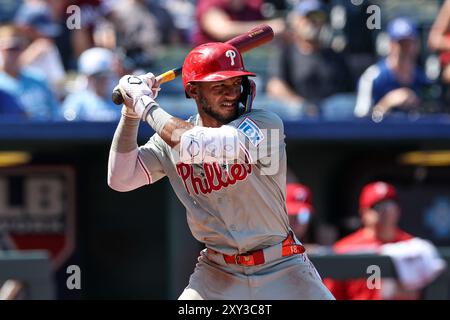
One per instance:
(37, 210)
(251, 131)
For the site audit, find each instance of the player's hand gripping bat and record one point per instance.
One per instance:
(244, 42)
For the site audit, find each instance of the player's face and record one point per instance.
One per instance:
(406, 48)
(388, 212)
(219, 100)
(384, 215)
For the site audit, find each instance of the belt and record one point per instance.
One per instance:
(254, 258)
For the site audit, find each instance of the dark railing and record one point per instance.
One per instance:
(353, 266)
(32, 269)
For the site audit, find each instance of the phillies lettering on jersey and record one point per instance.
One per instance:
(214, 179)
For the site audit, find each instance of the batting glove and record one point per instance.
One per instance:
(138, 95)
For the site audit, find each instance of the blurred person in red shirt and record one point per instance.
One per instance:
(221, 20)
(301, 219)
(380, 213)
(299, 208)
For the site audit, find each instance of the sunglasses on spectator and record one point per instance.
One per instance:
(384, 205)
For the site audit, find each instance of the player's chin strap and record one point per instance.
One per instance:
(248, 94)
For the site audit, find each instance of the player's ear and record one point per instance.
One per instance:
(192, 90)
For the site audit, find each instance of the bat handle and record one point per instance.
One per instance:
(162, 78)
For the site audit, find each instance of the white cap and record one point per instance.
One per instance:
(95, 60)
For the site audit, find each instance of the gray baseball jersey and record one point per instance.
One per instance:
(236, 207)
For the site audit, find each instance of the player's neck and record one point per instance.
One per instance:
(206, 121)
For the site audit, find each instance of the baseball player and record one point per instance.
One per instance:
(227, 165)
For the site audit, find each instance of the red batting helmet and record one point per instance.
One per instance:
(215, 61)
(375, 192)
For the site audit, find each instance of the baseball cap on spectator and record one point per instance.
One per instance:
(311, 7)
(376, 192)
(95, 61)
(37, 16)
(402, 28)
(299, 201)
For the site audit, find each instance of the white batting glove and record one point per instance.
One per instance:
(152, 83)
(137, 94)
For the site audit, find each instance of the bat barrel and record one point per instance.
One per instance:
(252, 39)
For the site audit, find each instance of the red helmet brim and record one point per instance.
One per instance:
(222, 75)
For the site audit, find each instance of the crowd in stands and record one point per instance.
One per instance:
(60, 59)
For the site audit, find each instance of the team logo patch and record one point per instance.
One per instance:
(251, 131)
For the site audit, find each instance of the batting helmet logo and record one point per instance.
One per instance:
(213, 61)
(231, 54)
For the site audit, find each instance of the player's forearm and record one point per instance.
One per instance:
(124, 171)
(173, 130)
(168, 127)
(125, 137)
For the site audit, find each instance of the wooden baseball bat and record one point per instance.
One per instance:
(245, 42)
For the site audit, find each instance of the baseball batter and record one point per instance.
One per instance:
(227, 165)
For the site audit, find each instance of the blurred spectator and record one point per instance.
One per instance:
(439, 40)
(91, 12)
(301, 219)
(9, 107)
(221, 20)
(302, 71)
(140, 27)
(299, 207)
(92, 102)
(183, 16)
(28, 88)
(164, 22)
(380, 213)
(36, 24)
(396, 81)
(77, 20)
(8, 9)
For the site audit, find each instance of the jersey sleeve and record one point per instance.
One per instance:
(261, 136)
(151, 157)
